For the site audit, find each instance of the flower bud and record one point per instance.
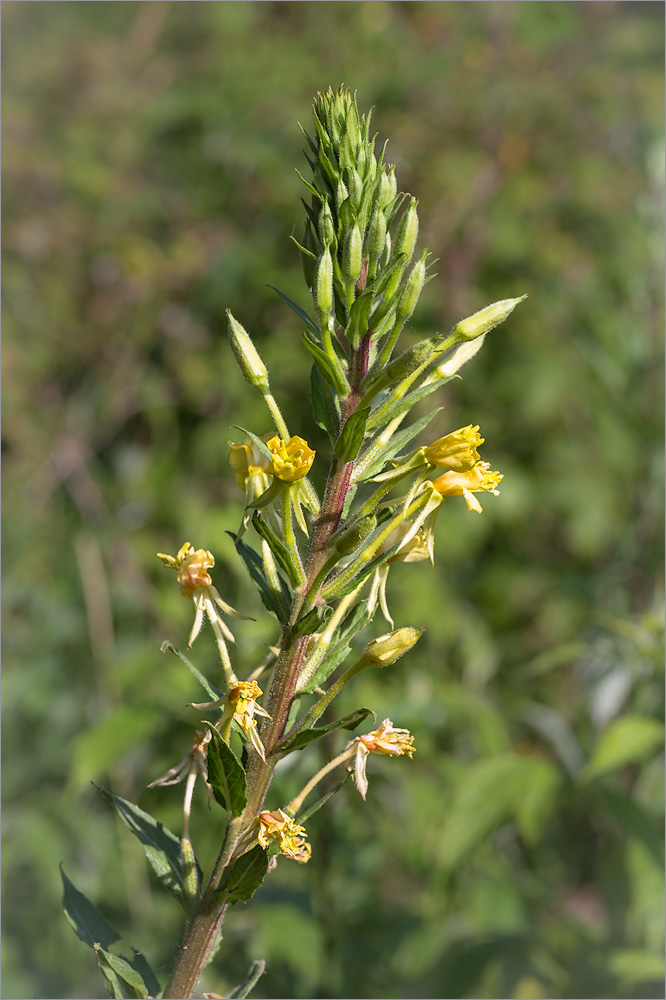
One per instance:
(352, 537)
(341, 194)
(407, 363)
(247, 356)
(412, 290)
(408, 231)
(326, 226)
(375, 239)
(386, 649)
(352, 255)
(355, 185)
(484, 320)
(324, 283)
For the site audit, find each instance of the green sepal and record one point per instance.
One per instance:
(161, 846)
(309, 322)
(213, 692)
(244, 876)
(277, 603)
(84, 917)
(325, 404)
(304, 817)
(326, 366)
(316, 619)
(278, 548)
(349, 443)
(123, 979)
(300, 740)
(255, 972)
(225, 774)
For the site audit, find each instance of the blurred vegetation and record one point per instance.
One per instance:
(149, 177)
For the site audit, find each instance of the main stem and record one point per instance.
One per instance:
(204, 927)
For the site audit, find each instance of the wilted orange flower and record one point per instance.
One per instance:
(278, 826)
(386, 740)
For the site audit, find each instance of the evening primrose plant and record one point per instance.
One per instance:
(320, 562)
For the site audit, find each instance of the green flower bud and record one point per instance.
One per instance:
(355, 185)
(326, 226)
(386, 649)
(352, 537)
(375, 239)
(341, 194)
(484, 320)
(324, 283)
(408, 231)
(247, 356)
(402, 366)
(412, 290)
(352, 255)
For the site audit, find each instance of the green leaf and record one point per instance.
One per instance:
(261, 445)
(309, 322)
(349, 443)
(122, 979)
(393, 448)
(634, 820)
(161, 846)
(357, 326)
(278, 548)
(627, 739)
(300, 740)
(254, 566)
(325, 405)
(305, 816)
(406, 403)
(213, 692)
(637, 965)
(84, 917)
(312, 622)
(244, 876)
(254, 974)
(225, 774)
(325, 366)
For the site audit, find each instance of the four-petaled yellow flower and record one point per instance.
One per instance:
(292, 459)
(278, 826)
(456, 451)
(478, 479)
(387, 740)
(192, 567)
(252, 469)
(242, 702)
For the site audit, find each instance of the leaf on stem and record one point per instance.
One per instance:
(123, 978)
(278, 548)
(349, 443)
(225, 774)
(84, 917)
(162, 847)
(244, 876)
(305, 816)
(255, 972)
(254, 565)
(213, 692)
(309, 322)
(300, 740)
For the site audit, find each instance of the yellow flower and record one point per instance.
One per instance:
(278, 826)
(386, 740)
(292, 459)
(242, 699)
(252, 468)
(456, 451)
(478, 479)
(192, 567)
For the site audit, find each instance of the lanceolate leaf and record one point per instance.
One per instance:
(226, 775)
(399, 441)
(407, 402)
(309, 322)
(84, 916)
(213, 692)
(272, 602)
(349, 443)
(278, 548)
(324, 404)
(324, 365)
(261, 445)
(305, 816)
(122, 978)
(162, 847)
(300, 740)
(245, 875)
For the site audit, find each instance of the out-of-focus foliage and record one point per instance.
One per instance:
(148, 184)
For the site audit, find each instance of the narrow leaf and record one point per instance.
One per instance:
(213, 692)
(84, 917)
(315, 620)
(245, 875)
(278, 548)
(309, 322)
(261, 445)
(300, 740)
(393, 447)
(225, 774)
(122, 979)
(358, 317)
(325, 366)
(254, 566)
(161, 846)
(349, 443)
(406, 403)
(325, 404)
(305, 816)
(255, 973)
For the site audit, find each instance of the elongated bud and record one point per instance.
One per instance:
(327, 226)
(352, 537)
(352, 254)
(408, 231)
(247, 356)
(324, 283)
(386, 649)
(375, 239)
(404, 365)
(484, 320)
(341, 193)
(355, 185)
(412, 290)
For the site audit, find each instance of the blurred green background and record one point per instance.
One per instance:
(149, 154)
